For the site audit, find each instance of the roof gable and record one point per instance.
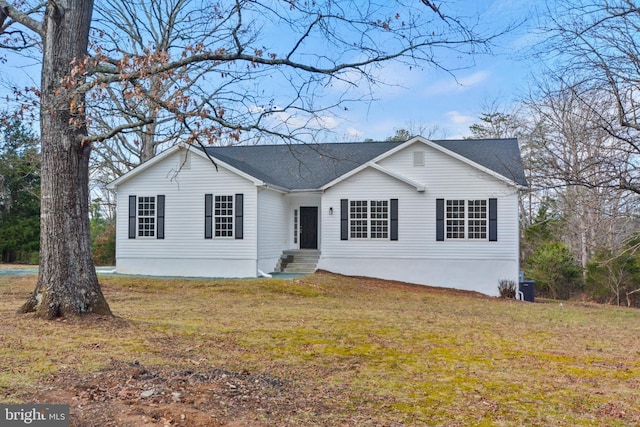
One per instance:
(501, 156)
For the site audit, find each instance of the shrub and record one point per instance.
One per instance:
(556, 273)
(507, 288)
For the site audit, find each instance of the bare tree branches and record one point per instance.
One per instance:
(238, 71)
(10, 15)
(598, 43)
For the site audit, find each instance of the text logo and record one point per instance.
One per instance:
(34, 415)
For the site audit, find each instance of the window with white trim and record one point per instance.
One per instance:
(369, 219)
(146, 216)
(379, 210)
(455, 219)
(477, 222)
(466, 219)
(358, 215)
(223, 214)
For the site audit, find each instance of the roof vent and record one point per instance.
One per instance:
(184, 160)
(418, 158)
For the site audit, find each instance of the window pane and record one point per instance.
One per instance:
(455, 219)
(477, 226)
(358, 215)
(223, 213)
(379, 219)
(146, 216)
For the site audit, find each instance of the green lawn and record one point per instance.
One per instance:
(368, 352)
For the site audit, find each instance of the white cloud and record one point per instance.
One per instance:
(448, 84)
(457, 124)
(459, 119)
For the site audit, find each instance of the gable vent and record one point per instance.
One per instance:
(418, 158)
(184, 160)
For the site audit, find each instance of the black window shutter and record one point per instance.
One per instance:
(132, 216)
(493, 220)
(160, 217)
(344, 219)
(239, 234)
(208, 216)
(394, 219)
(440, 220)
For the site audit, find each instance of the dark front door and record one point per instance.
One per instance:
(309, 227)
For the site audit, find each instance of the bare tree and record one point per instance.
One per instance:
(597, 43)
(275, 68)
(578, 161)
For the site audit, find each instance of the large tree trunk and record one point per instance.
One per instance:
(67, 282)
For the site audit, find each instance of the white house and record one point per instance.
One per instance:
(440, 213)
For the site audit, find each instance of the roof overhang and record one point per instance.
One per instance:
(419, 187)
(180, 147)
(461, 158)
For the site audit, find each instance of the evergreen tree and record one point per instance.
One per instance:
(19, 193)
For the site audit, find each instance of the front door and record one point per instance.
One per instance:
(309, 227)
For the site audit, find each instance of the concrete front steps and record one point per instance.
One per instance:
(298, 261)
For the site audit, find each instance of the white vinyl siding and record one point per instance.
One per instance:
(451, 179)
(273, 228)
(417, 255)
(184, 249)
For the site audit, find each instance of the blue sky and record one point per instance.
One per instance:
(427, 97)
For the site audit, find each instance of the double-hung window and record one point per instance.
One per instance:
(477, 219)
(471, 219)
(379, 223)
(369, 219)
(146, 216)
(455, 219)
(359, 219)
(223, 216)
(466, 219)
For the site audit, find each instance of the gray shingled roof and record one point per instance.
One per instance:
(308, 167)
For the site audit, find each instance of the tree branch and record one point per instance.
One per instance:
(8, 11)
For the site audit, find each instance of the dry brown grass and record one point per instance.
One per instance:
(323, 350)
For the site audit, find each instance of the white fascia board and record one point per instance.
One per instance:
(452, 154)
(227, 166)
(143, 167)
(343, 177)
(369, 163)
(471, 163)
(146, 165)
(419, 187)
(273, 187)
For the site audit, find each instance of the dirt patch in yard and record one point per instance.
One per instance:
(130, 394)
